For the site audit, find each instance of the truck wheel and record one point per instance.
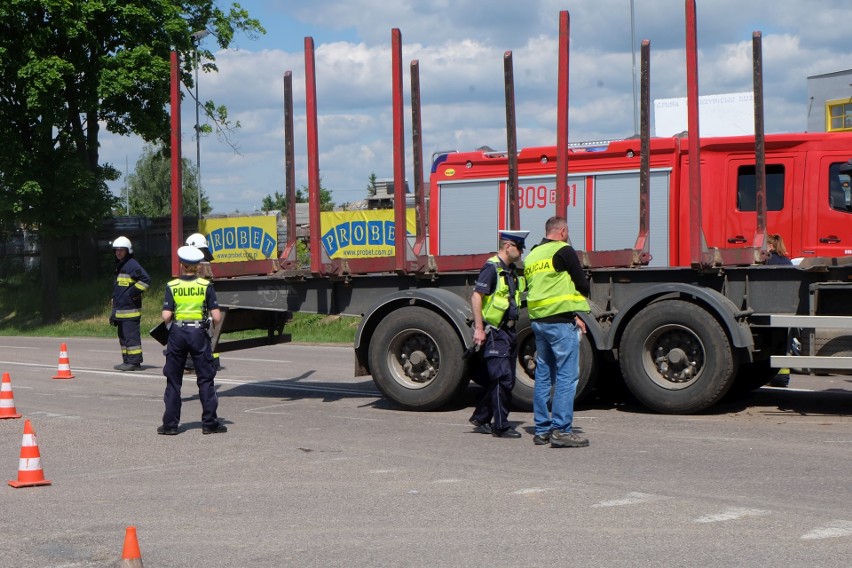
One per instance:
(416, 359)
(676, 358)
(522, 394)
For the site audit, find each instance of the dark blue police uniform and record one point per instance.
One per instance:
(190, 299)
(499, 352)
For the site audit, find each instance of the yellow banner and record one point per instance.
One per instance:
(235, 239)
(362, 234)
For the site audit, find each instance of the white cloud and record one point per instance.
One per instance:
(460, 46)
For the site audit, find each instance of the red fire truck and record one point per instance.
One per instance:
(807, 196)
(683, 308)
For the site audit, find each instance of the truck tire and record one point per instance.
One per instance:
(416, 359)
(676, 358)
(522, 394)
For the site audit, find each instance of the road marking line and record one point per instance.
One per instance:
(226, 359)
(263, 409)
(834, 529)
(362, 419)
(20, 347)
(450, 480)
(529, 491)
(54, 415)
(731, 514)
(633, 498)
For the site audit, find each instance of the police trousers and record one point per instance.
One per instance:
(192, 342)
(500, 353)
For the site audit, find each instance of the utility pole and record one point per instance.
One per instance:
(126, 187)
(196, 38)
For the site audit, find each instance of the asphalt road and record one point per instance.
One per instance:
(318, 470)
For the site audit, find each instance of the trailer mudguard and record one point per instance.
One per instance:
(451, 306)
(714, 302)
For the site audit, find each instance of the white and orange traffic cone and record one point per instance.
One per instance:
(131, 556)
(30, 473)
(7, 399)
(64, 370)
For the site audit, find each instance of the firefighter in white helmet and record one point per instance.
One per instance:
(199, 241)
(131, 281)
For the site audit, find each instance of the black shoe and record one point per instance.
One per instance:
(506, 433)
(480, 427)
(541, 439)
(167, 431)
(119, 367)
(780, 381)
(217, 429)
(127, 367)
(559, 439)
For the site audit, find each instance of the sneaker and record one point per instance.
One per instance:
(480, 427)
(505, 433)
(559, 439)
(167, 431)
(541, 439)
(217, 429)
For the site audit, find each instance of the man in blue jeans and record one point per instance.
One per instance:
(557, 289)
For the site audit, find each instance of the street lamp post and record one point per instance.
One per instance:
(196, 38)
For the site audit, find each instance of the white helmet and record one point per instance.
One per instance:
(196, 240)
(123, 242)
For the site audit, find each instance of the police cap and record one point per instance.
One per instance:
(190, 255)
(517, 237)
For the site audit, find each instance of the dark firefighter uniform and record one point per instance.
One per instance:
(501, 288)
(131, 281)
(190, 299)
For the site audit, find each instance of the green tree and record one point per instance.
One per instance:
(66, 68)
(149, 186)
(279, 201)
(371, 184)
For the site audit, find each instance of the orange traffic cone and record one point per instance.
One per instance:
(131, 557)
(29, 470)
(7, 400)
(64, 370)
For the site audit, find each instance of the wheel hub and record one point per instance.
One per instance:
(677, 356)
(417, 367)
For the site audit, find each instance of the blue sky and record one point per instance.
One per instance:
(460, 45)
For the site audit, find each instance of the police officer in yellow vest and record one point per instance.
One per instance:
(557, 289)
(188, 301)
(199, 241)
(496, 303)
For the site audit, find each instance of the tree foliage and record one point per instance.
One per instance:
(149, 186)
(279, 201)
(70, 68)
(371, 184)
(67, 69)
